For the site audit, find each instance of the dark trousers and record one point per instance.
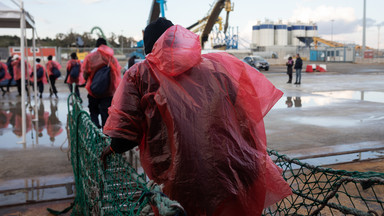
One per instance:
(40, 85)
(9, 82)
(52, 79)
(99, 106)
(18, 83)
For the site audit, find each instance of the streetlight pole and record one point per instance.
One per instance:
(364, 26)
(378, 39)
(332, 30)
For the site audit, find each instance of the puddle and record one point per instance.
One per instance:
(304, 101)
(36, 189)
(371, 96)
(50, 127)
(326, 121)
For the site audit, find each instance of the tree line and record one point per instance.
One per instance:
(69, 40)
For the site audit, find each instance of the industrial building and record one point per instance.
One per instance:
(269, 33)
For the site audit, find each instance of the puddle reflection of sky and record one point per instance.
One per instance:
(52, 118)
(326, 98)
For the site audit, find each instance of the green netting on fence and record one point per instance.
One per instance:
(117, 190)
(324, 191)
(120, 190)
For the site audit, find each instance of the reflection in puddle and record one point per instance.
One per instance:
(48, 128)
(355, 95)
(327, 98)
(36, 189)
(305, 101)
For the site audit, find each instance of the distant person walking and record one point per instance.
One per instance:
(298, 68)
(102, 72)
(289, 64)
(53, 70)
(74, 74)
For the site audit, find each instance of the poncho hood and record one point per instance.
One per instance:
(175, 52)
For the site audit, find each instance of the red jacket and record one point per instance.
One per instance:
(49, 66)
(80, 80)
(199, 122)
(17, 69)
(96, 60)
(7, 75)
(43, 78)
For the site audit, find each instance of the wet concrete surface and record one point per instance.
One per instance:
(344, 107)
(330, 113)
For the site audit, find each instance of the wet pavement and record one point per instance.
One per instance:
(342, 108)
(337, 115)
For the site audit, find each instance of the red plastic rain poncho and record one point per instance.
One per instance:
(79, 80)
(43, 78)
(96, 60)
(49, 67)
(199, 121)
(7, 75)
(17, 69)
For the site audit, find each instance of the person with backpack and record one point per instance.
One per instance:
(102, 72)
(198, 122)
(41, 77)
(53, 71)
(74, 74)
(4, 75)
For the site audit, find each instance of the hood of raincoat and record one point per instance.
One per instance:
(175, 52)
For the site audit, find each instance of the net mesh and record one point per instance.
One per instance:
(120, 190)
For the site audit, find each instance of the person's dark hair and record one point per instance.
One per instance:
(101, 41)
(38, 60)
(153, 31)
(73, 56)
(298, 55)
(49, 58)
(290, 58)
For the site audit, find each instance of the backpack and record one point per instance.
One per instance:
(56, 72)
(40, 72)
(2, 72)
(100, 81)
(75, 71)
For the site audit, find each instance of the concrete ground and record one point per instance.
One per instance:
(339, 111)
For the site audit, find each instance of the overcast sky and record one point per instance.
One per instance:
(129, 17)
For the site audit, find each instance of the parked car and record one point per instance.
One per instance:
(257, 62)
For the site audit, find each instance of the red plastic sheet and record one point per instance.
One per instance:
(80, 80)
(49, 66)
(7, 75)
(94, 61)
(17, 69)
(199, 121)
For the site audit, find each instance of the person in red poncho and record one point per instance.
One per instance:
(16, 64)
(74, 74)
(41, 77)
(198, 122)
(52, 78)
(100, 86)
(4, 75)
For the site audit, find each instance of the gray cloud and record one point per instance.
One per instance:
(342, 26)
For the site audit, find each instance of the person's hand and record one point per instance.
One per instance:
(107, 151)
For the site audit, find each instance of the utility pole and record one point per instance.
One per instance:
(378, 38)
(122, 41)
(332, 30)
(364, 26)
